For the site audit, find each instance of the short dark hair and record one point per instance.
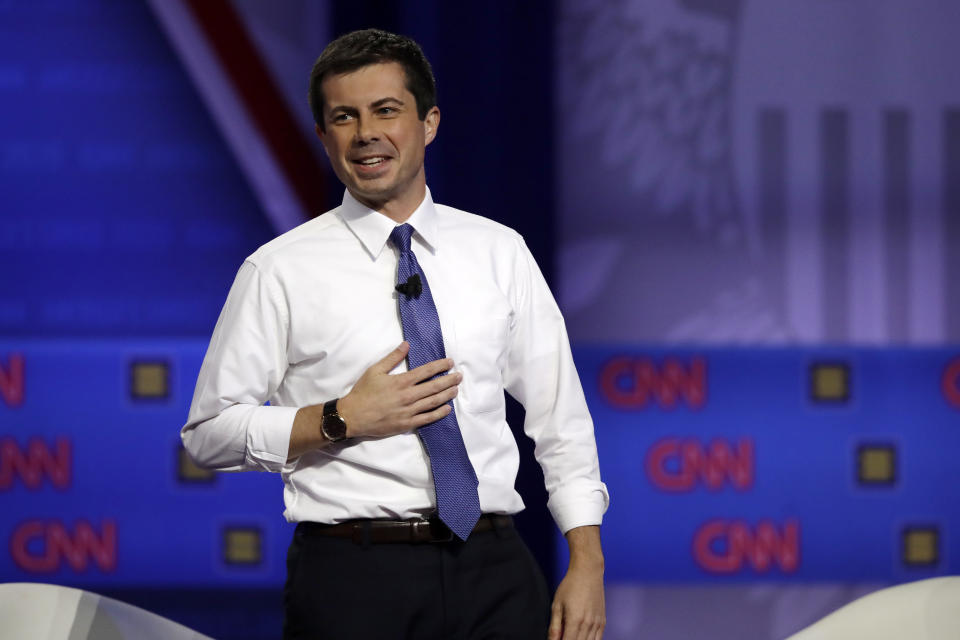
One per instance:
(359, 49)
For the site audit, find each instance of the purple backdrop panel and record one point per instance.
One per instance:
(759, 172)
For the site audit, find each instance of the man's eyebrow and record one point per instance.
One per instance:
(383, 101)
(344, 108)
(373, 105)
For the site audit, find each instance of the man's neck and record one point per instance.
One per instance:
(397, 209)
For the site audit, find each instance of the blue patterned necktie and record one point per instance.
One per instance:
(454, 479)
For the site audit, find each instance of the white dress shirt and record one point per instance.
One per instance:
(311, 310)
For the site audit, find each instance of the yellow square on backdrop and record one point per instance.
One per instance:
(921, 546)
(876, 464)
(149, 380)
(188, 471)
(242, 545)
(830, 382)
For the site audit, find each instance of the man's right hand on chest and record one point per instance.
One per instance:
(382, 404)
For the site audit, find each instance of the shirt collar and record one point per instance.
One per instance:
(373, 228)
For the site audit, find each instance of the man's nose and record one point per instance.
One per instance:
(366, 131)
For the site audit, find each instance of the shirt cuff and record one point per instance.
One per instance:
(268, 436)
(579, 505)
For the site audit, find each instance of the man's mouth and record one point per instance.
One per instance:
(371, 162)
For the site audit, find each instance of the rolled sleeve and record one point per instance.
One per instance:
(541, 375)
(268, 437)
(229, 427)
(578, 505)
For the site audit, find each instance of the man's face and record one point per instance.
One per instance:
(373, 137)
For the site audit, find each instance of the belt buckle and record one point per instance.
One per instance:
(439, 532)
(420, 530)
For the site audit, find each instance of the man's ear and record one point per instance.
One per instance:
(323, 138)
(430, 124)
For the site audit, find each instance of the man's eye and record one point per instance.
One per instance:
(386, 110)
(341, 117)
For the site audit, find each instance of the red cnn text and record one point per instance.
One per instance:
(12, 380)
(679, 465)
(44, 546)
(951, 383)
(33, 463)
(724, 546)
(633, 382)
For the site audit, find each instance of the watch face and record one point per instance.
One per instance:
(334, 428)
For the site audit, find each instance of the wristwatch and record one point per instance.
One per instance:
(333, 427)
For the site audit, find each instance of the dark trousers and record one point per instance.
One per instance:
(488, 587)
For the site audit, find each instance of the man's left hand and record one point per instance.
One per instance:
(578, 606)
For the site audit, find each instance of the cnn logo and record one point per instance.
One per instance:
(36, 461)
(679, 465)
(41, 546)
(631, 382)
(724, 547)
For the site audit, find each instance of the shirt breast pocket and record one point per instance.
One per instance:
(482, 346)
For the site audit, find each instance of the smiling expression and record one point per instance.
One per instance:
(374, 139)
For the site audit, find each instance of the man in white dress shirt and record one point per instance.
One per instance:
(311, 325)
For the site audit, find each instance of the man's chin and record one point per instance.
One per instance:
(375, 191)
(373, 185)
(372, 195)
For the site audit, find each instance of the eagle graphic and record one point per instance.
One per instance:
(644, 117)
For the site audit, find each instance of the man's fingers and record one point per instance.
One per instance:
(585, 631)
(556, 623)
(580, 629)
(566, 625)
(392, 359)
(590, 628)
(601, 625)
(427, 371)
(430, 416)
(431, 402)
(432, 387)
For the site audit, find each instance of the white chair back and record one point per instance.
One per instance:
(924, 610)
(51, 612)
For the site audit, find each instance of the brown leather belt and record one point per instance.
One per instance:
(420, 530)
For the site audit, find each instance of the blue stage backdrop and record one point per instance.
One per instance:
(124, 212)
(818, 465)
(827, 465)
(97, 488)
(757, 210)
